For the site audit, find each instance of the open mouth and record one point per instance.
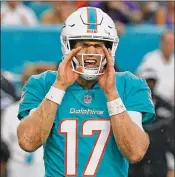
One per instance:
(90, 63)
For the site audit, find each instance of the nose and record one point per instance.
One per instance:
(91, 50)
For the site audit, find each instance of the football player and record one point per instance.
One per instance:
(88, 117)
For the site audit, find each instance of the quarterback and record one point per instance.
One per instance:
(88, 117)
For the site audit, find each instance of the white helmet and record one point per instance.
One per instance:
(89, 23)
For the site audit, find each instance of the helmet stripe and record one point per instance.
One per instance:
(92, 19)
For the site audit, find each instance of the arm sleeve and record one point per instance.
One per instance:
(138, 98)
(32, 95)
(136, 117)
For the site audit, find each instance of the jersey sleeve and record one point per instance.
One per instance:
(138, 98)
(32, 95)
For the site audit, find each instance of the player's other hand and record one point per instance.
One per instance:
(66, 76)
(107, 81)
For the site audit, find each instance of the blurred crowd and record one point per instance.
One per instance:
(157, 68)
(20, 163)
(55, 12)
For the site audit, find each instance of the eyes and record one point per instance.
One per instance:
(98, 45)
(86, 45)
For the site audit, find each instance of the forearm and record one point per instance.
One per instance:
(35, 128)
(130, 138)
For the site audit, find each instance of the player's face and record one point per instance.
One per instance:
(90, 48)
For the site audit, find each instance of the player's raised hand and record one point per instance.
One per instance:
(66, 76)
(108, 80)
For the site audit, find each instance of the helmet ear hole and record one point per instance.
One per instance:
(72, 44)
(108, 44)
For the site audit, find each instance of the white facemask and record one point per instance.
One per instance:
(88, 73)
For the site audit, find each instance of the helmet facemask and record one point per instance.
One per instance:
(88, 73)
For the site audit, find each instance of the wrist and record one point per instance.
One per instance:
(112, 95)
(55, 95)
(116, 107)
(59, 85)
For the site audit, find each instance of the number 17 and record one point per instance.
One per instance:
(69, 127)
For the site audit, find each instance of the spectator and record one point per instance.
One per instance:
(148, 9)
(16, 13)
(125, 11)
(21, 163)
(36, 69)
(4, 157)
(8, 96)
(165, 16)
(60, 11)
(162, 61)
(156, 163)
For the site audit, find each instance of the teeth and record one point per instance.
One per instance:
(90, 61)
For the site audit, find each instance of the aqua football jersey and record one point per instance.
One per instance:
(81, 142)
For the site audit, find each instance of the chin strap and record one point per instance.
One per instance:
(88, 77)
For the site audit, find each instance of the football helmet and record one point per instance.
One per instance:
(89, 23)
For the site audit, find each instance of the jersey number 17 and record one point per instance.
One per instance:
(69, 127)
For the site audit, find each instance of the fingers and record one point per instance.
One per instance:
(109, 58)
(68, 58)
(71, 54)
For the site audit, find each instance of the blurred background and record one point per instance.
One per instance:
(30, 44)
